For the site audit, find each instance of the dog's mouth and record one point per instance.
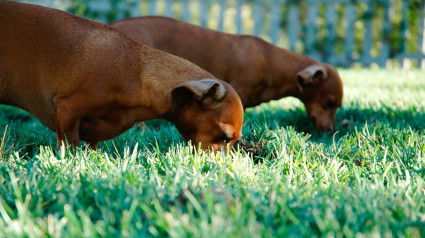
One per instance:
(325, 129)
(322, 126)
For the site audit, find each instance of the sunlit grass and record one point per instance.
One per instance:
(282, 179)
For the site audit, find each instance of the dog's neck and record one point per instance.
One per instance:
(160, 74)
(278, 72)
(284, 67)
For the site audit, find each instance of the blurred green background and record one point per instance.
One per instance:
(379, 30)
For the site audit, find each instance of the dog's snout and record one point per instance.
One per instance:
(323, 124)
(223, 149)
(329, 127)
(300, 80)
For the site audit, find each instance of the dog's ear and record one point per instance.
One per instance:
(205, 91)
(313, 75)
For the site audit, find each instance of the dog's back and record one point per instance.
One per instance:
(87, 80)
(259, 71)
(209, 49)
(38, 55)
(35, 35)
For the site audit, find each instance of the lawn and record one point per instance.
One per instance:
(282, 179)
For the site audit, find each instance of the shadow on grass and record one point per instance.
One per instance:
(348, 120)
(257, 138)
(26, 133)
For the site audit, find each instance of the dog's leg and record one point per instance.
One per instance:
(93, 145)
(67, 123)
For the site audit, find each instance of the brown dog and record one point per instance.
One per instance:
(258, 71)
(86, 80)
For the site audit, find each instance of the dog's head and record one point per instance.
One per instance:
(209, 112)
(321, 92)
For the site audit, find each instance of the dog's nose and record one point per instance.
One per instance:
(331, 130)
(223, 149)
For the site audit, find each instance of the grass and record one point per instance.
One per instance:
(282, 179)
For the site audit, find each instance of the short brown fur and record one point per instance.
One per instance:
(88, 81)
(258, 71)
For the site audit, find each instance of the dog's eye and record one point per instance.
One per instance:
(224, 139)
(331, 105)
